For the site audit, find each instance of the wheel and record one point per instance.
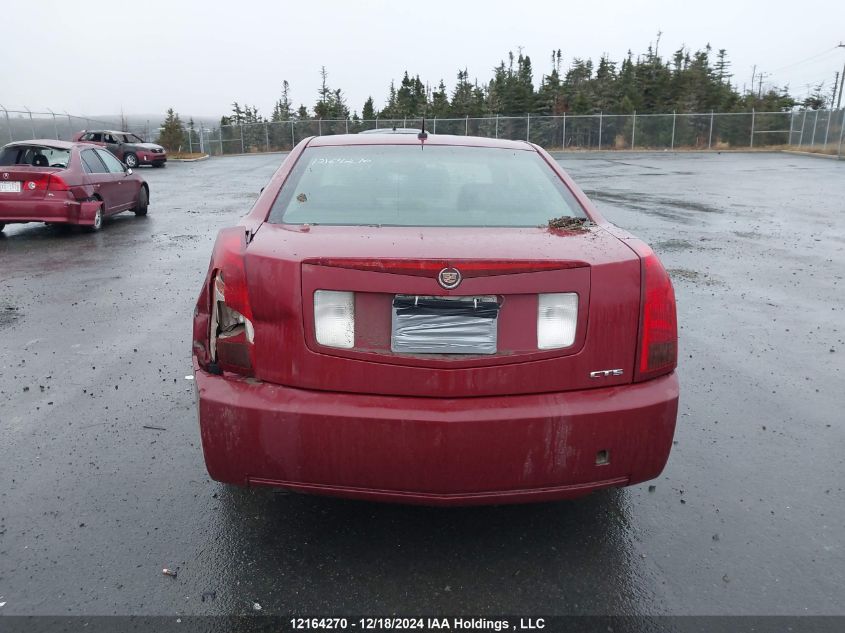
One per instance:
(2, 226)
(98, 220)
(158, 164)
(130, 160)
(143, 202)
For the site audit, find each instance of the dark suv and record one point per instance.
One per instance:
(128, 147)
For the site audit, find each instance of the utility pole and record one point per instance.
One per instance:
(761, 76)
(835, 86)
(841, 80)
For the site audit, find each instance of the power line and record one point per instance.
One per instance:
(808, 59)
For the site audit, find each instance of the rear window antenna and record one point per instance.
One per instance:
(423, 134)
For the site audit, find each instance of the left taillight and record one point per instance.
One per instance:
(657, 352)
(229, 338)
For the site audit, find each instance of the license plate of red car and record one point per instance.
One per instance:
(10, 187)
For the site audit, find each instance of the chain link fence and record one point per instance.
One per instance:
(22, 125)
(812, 130)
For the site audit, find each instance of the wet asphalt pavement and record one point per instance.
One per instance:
(747, 518)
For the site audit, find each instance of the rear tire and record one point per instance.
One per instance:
(143, 202)
(130, 160)
(158, 164)
(98, 220)
(2, 226)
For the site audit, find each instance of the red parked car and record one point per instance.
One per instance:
(128, 147)
(58, 182)
(438, 320)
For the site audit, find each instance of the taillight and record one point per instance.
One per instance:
(38, 183)
(55, 183)
(657, 352)
(47, 182)
(231, 333)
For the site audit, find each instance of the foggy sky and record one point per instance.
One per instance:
(103, 56)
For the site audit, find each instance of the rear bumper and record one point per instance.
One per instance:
(465, 451)
(60, 211)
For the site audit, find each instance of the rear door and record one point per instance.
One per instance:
(103, 181)
(114, 143)
(125, 190)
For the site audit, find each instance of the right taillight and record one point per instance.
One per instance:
(232, 334)
(55, 183)
(657, 352)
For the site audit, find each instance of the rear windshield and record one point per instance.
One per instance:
(407, 185)
(34, 156)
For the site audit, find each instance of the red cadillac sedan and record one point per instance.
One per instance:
(66, 183)
(433, 319)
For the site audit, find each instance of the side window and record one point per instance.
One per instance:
(97, 137)
(113, 165)
(88, 136)
(91, 163)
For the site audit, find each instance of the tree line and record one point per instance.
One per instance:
(686, 82)
(648, 83)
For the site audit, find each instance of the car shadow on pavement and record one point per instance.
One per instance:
(336, 554)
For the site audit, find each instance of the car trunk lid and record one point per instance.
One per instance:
(386, 267)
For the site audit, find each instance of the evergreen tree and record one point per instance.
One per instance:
(817, 100)
(172, 136)
(237, 114)
(410, 98)
(440, 106)
(368, 112)
(722, 67)
(322, 109)
(283, 109)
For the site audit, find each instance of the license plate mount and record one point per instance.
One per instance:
(444, 325)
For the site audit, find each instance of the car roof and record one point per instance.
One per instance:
(107, 132)
(392, 130)
(54, 144)
(43, 142)
(411, 139)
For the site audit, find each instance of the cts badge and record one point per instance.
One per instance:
(604, 373)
